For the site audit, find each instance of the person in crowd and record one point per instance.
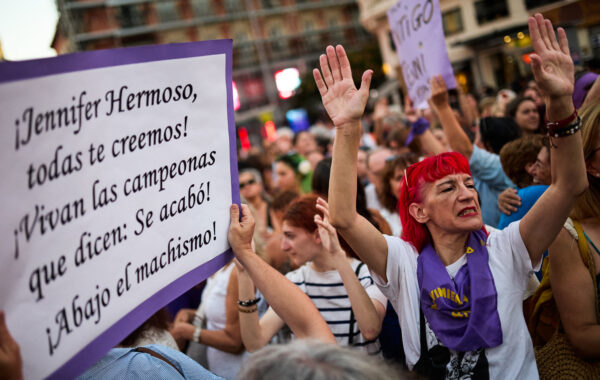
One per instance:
(215, 324)
(284, 297)
(486, 106)
(489, 178)
(284, 142)
(148, 350)
(457, 286)
(525, 113)
(340, 286)
(575, 290)
(533, 94)
(304, 143)
(392, 175)
(375, 164)
(518, 160)
(306, 359)
(314, 157)
(276, 257)
(361, 168)
(251, 189)
(503, 98)
(292, 172)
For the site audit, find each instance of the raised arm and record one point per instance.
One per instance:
(289, 301)
(457, 138)
(369, 313)
(430, 145)
(554, 72)
(345, 106)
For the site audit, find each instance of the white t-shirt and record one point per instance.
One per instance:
(510, 266)
(329, 295)
(392, 217)
(220, 362)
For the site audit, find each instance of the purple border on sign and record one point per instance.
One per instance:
(14, 71)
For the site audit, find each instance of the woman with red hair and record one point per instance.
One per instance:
(457, 288)
(340, 286)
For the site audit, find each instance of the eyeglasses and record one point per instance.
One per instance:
(244, 184)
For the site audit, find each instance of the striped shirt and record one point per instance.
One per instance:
(329, 295)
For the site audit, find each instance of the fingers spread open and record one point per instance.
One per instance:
(325, 71)
(344, 62)
(536, 38)
(365, 84)
(564, 43)
(334, 64)
(320, 83)
(543, 31)
(551, 34)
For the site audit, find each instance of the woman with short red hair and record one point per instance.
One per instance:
(457, 289)
(340, 287)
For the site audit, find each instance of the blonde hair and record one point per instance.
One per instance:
(588, 204)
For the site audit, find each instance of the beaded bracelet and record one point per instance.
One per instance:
(566, 131)
(249, 303)
(247, 310)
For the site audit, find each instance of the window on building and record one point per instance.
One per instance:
(233, 6)
(270, 3)
(333, 22)
(490, 10)
(538, 3)
(167, 11)
(452, 21)
(201, 8)
(131, 15)
(309, 25)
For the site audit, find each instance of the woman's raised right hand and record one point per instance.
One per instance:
(344, 103)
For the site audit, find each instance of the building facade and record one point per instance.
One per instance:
(268, 35)
(488, 40)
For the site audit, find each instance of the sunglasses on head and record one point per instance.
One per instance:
(250, 182)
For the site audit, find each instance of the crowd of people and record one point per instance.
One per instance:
(403, 243)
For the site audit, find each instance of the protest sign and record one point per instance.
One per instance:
(118, 170)
(417, 31)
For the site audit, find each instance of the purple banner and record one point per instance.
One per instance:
(418, 35)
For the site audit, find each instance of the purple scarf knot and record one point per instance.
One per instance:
(463, 317)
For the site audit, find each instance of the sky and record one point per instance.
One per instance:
(27, 28)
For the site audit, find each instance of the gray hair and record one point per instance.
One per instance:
(313, 360)
(255, 174)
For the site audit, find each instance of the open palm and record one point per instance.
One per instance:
(551, 64)
(344, 103)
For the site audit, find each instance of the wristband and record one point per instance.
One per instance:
(243, 310)
(552, 125)
(566, 131)
(249, 303)
(196, 337)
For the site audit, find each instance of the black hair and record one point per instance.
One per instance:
(497, 131)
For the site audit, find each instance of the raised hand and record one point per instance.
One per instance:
(551, 64)
(327, 232)
(344, 103)
(438, 92)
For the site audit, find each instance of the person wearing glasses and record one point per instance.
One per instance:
(252, 190)
(457, 286)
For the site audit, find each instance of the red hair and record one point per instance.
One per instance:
(416, 177)
(301, 213)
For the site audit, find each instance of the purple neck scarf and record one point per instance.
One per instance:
(463, 317)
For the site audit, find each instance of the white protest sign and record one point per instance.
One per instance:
(418, 34)
(118, 170)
